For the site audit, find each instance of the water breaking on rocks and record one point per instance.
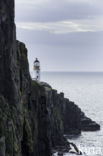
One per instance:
(33, 116)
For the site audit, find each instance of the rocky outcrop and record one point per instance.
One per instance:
(87, 124)
(33, 117)
(65, 118)
(8, 52)
(75, 120)
(38, 123)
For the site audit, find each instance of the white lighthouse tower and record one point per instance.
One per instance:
(37, 70)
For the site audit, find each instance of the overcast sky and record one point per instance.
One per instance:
(66, 35)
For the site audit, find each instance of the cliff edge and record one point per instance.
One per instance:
(33, 117)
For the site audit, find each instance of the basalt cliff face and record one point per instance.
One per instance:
(33, 117)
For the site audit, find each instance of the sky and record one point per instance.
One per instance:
(65, 35)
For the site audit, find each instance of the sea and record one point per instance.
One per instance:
(86, 90)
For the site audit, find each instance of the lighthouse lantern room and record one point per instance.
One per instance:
(37, 70)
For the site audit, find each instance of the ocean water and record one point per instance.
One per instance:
(86, 90)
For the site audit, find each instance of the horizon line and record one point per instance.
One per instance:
(74, 71)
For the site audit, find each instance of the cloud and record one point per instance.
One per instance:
(57, 10)
(76, 39)
(64, 34)
(43, 2)
(63, 27)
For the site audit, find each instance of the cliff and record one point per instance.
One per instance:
(33, 117)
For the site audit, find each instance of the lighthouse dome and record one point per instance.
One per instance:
(36, 61)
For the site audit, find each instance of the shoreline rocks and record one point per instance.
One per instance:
(88, 125)
(70, 120)
(33, 117)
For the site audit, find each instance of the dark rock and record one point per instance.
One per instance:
(60, 153)
(89, 125)
(71, 118)
(33, 116)
(76, 121)
(2, 146)
(73, 149)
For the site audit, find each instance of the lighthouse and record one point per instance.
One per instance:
(37, 70)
